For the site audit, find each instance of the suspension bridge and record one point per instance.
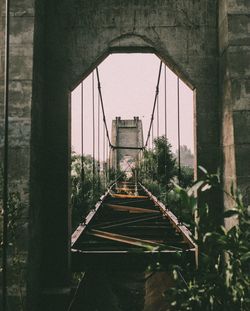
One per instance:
(128, 229)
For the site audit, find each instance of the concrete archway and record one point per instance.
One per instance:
(72, 53)
(75, 37)
(53, 44)
(65, 41)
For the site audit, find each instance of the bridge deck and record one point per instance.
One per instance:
(129, 227)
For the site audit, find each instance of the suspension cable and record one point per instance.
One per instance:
(155, 99)
(157, 133)
(98, 142)
(103, 112)
(107, 159)
(158, 119)
(103, 156)
(165, 98)
(165, 117)
(179, 144)
(93, 129)
(153, 134)
(6, 157)
(152, 164)
(178, 117)
(82, 162)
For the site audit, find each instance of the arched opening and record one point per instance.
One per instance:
(51, 189)
(128, 83)
(128, 87)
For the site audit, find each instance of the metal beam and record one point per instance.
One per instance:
(127, 147)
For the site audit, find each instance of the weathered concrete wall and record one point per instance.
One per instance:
(234, 50)
(126, 133)
(77, 36)
(71, 37)
(20, 97)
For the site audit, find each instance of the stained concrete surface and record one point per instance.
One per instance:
(55, 44)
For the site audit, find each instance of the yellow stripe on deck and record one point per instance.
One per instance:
(128, 196)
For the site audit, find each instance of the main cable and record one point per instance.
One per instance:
(82, 160)
(93, 116)
(155, 100)
(103, 112)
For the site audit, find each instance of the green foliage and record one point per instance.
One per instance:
(164, 159)
(222, 280)
(158, 164)
(16, 259)
(159, 172)
(186, 176)
(86, 187)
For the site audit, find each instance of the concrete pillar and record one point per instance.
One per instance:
(234, 49)
(20, 97)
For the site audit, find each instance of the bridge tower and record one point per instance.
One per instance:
(127, 141)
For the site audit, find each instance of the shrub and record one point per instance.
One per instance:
(222, 279)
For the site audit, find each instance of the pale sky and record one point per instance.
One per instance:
(128, 83)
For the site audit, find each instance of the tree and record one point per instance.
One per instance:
(83, 194)
(164, 159)
(158, 163)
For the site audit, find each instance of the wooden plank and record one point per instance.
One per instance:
(131, 209)
(126, 188)
(125, 239)
(174, 221)
(117, 224)
(128, 196)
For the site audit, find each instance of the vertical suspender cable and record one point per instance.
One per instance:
(82, 162)
(98, 142)
(107, 160)
(153, 133)
(165, 116)
(158, 131)
(165, 99)
(103, 157)
(93, 142)
(179, 134)
(5, 160)
(179, 144)
(109, 166)
(158, 120)
(152, 164)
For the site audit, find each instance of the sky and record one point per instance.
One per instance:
(128, 83)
